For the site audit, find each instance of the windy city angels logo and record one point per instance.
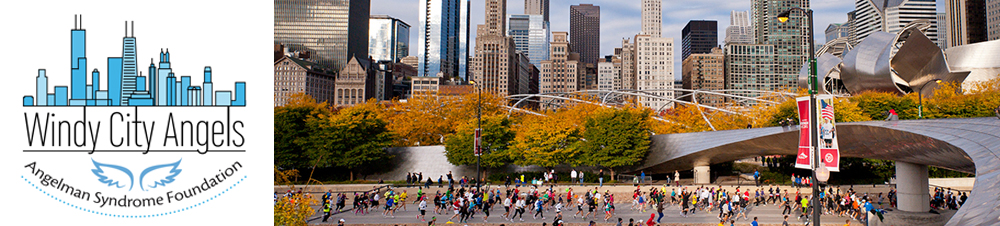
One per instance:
(127, 145)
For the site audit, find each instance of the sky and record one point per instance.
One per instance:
(621, 18)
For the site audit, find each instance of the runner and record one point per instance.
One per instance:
(423, 209)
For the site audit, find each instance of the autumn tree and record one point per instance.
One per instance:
(290, 129)
(616, 138)
(427, 119)
(352, 138)
(950, 102)
(551, 140)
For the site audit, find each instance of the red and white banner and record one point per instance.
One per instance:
(827, 133)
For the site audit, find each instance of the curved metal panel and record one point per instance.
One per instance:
(920, 61)
(826, 66)
(981, 59)
(866, 67)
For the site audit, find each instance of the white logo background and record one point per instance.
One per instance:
(234, 38)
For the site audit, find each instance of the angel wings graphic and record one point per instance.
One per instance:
(149, 178)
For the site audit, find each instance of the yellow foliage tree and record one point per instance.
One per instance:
(554, 139)
(427, 119)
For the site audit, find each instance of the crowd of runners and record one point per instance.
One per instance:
(463, 204)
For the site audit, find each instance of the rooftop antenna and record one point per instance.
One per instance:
(126, 28)
(75, 21)
(133, 29)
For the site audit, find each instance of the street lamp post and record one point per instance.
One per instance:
(920, 97)
(813, 89)
(479, 130)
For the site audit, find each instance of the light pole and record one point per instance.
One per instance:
(479, 129)
(813, 89)
(920, 98)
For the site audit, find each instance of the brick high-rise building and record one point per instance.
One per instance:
(699, 36)
(704, 71)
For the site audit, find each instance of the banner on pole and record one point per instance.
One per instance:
(803, 159)
(476, 148)
(829, 148)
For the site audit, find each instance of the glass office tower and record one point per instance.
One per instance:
(531, 36)
(388, 38)
(441, 38)
(331, 30)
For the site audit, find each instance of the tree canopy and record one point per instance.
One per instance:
(496, 138)
(616, 137)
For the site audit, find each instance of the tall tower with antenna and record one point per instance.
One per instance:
(128, 63)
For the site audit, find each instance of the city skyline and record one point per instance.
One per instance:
(160, 87)
(617, 19)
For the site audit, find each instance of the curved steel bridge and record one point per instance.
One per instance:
(969, 145)
(623, 97)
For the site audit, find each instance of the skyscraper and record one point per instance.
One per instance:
(494, 66)
(654, 69)
(331, 30)
(740, 30)
(750, 67)
(654, 62)
(128, 68)
(464, 59)
(440, 25)
(897, 16)
(388, 38)
(537, 7)
(585, 31)
(704, 71)
(41, 89)
(627, 54)
(966, 22)
(652, 18)
(531, 36)
(869, 16)
(992, 19)
(563, 71)
(78, 62)
(163, 76)
(790, 40)
(699, 36)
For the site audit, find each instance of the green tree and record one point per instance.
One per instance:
(291, 132)
(616, 138)
(354, 137)
(496, 138)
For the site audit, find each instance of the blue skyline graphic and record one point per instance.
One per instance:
(160, 87)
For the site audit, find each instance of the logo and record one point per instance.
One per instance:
(170, 170)
(153, 144)
(803, 155)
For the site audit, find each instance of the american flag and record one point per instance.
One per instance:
(827, 112)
